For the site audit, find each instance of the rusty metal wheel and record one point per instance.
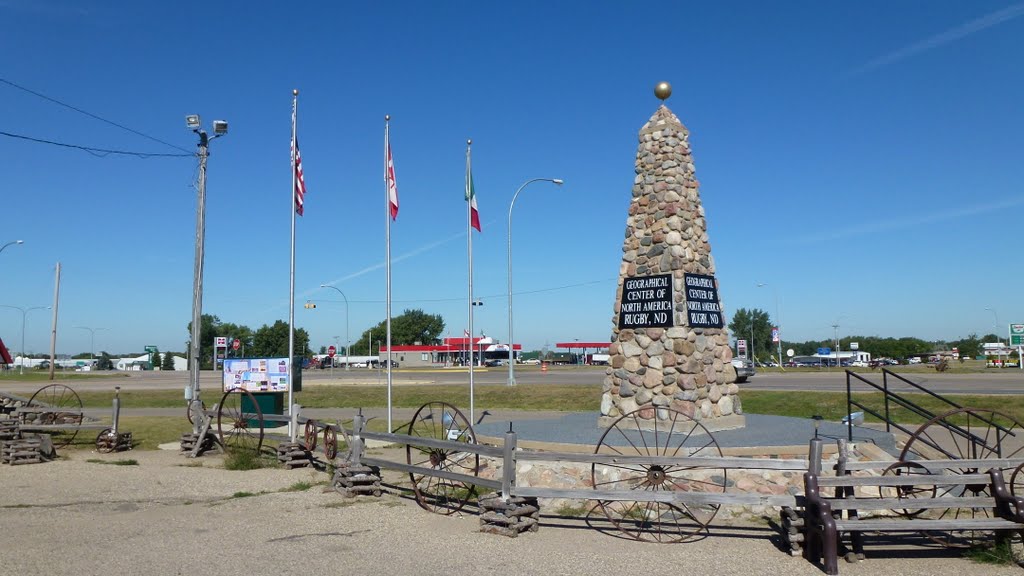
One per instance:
(442, 421)
(964, 434)
(191, 407)
(67, 412)
(309, 435)
(106, 441)
(330, 443)
(1017, 481)
(673, 434)
(240, 421)
(903, 470)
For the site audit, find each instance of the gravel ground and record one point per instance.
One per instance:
(169, 516)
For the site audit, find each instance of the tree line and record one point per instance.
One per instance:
(757, 323)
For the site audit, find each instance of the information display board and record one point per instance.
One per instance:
(256, 374)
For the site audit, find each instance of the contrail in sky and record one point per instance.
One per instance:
(943, 38)
(901, 223)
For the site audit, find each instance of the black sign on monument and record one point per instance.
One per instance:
(646, 302)
(703, 309)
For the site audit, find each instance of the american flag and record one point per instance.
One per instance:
(300, 183)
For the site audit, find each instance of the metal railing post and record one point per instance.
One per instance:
(356, 449)
(849, 408)
(117, 410)
(508, 471)
(885, 395)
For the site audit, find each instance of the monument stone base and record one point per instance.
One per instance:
(730, 422)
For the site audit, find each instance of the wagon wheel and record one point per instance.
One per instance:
(964, 434)
(309, 437)
(1017, 481)
(904, 469)
(189, 410)
(67, 412)
(330, 443)
(105, 441)
(441, 421)
(236, 428)
(676, 435)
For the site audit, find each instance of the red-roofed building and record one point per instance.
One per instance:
(5, 356)
(450, 352)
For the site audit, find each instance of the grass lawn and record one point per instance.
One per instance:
(30, 375)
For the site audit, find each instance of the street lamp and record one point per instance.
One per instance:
(220, 128)
(92, 343)
(346, 322)
(778, 319)
(995, 322)
(24, 313)
(11, 243)
(511, 341)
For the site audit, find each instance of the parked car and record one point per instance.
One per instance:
(532, 361)
(744, 369)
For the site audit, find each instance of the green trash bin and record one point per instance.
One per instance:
(269, 403)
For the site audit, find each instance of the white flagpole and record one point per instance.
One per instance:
(387, 245)
(469, 235)
(291, 276)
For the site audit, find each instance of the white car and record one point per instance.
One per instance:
(531, 361)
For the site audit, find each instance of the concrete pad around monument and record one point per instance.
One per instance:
(581, 429)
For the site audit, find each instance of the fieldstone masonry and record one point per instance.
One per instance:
(677, 367)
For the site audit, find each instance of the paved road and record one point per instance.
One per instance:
(1004, 382)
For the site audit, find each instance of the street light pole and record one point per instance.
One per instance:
(24, 313)
(511, 341)
(778, 320)
(92, 343)
(11, 243)
(346, 322)
(995, 322)
(220, 128)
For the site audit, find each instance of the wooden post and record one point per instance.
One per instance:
(814, 457)
(508, 471)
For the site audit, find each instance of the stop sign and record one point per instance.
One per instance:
(236, 344)
(331, 350)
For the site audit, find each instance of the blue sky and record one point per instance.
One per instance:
(861, 159)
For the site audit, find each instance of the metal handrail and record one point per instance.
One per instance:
(890, 396)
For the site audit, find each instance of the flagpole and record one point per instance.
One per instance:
(469, 235)
(291, 276)
(387, 247)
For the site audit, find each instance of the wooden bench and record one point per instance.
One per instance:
(947, 500)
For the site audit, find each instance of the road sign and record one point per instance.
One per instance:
(150, 349)
(741, 348)
(1016, 334)
(331, 350)
(775, 335)
(236, 344)
(220, 341)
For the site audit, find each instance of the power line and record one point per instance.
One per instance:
(91, 115)
(101, 152)
(460, 299)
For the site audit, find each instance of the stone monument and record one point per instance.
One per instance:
(669, 347)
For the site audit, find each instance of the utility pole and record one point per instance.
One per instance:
(220, 128)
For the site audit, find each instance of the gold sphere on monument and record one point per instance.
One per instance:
(663, 90)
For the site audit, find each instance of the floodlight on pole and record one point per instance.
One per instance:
(219, 129)
(511, 341)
